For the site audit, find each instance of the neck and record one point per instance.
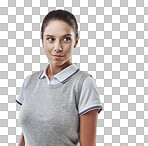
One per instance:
(54, 70)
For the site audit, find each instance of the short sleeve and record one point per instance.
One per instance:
(20, 97)
(89, 97)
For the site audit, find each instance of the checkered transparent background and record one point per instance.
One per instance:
(113, 47)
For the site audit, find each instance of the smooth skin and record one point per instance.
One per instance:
(22, 141)
(59, 39)
(88, 124)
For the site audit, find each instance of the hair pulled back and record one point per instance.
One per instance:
(62, 15)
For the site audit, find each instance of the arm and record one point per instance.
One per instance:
(22, 141)
(88, 123)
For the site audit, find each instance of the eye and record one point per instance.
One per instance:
(66, 39)
(50, 39)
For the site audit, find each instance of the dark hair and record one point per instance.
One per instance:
(62, 15)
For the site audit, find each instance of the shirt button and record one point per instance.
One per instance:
(52, 77)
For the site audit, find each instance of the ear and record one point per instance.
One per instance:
(76, 42)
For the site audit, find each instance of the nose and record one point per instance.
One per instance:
(57, 46)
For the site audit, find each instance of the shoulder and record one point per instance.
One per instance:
(36, 74)
(83, 74)
(80, 77)
(89, 82)
(32, 76)
(89, 87)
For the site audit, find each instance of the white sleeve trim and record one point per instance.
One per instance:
(18, 102)
(20, 97)
(89, 97)
(91, 108)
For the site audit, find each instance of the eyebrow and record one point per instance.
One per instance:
(63, 35)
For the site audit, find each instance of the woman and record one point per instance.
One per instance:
(60, 104)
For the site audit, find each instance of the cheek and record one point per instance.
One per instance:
(67, 48)
(48, 47)
(68, 52)
(68, 45)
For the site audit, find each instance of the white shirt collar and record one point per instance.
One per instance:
(64, 74)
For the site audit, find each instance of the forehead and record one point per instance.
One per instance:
(57, 27)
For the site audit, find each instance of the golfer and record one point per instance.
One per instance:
(59, 104)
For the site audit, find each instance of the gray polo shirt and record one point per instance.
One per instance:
(50, 111)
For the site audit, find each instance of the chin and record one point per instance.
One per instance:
(58, 63)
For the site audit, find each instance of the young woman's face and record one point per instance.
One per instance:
(59, 39)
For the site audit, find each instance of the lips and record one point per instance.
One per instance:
(58, 56)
